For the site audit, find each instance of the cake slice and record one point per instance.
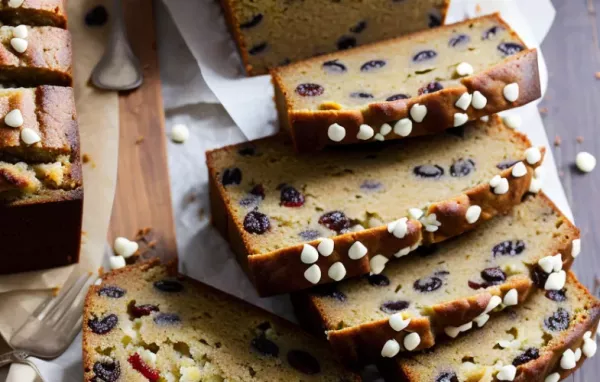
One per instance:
(447, 289)
(146, 323)
(414, 85)
(274, 33)
(296, 221)
(34, 12)
(544, 340)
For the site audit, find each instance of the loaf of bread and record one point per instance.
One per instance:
(40, 179)
(146, 323)
(34, 12)
(414, 85)
(276, 208)
(442, 291)
(544, 340)
(274, 33)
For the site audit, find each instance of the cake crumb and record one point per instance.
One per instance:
(86, 158)
(557, 140)
(144, 234)
(543, 110)
(139, 140)
(152, 244)
(478, 8)
(598, 75)
(579, 139)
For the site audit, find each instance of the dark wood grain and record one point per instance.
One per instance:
(572, 53)
(143, 195)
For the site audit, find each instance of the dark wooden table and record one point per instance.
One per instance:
(571, 109)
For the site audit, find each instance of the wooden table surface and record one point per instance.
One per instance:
(571, 109)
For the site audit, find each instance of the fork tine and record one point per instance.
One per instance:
(42, 310)
(64, 302)
(74, 309)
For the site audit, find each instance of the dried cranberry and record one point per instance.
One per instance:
(138, 311)
(474, 285)
(247, 151)
(361, 95)
(509, 248)
(492, 32)
(104, 325)
(346, 42)
(371, 185)
(462, 167)
(304, 362)
(309, 90)
(428, 171)
(358, 28)
(378, 280)
(528, 355)
(257, 49)
(428, 284)
(310, 234)
(170, 286)
(493, 275)
(111, 291)
(167, 319)
(510, 48)
(231, 176)
(256, 222)
(398, 96)
(335, 220)
(424, 55)
(431, 87)
(557, 295)
(460, 39)
(290, 197)
(107, 371)
(391, 307)
(539, 277)
(96, 17)
(265, 347)
(447, 376)
(254, 21)
(558, 321)
(371, 65)
(138, 364)
(334, 66)
(329, 290)
(506, 164)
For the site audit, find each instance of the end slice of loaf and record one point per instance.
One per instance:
(34, 12)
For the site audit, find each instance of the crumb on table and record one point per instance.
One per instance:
(543, 110)
(579, 139)
(557, 140)
(598, 75)
(139, 140)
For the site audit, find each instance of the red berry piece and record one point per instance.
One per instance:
(290, 197)
(431, 87)
(138, 311)
(139, 365)
(335, 220)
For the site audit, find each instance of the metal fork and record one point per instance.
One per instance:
(51, 328)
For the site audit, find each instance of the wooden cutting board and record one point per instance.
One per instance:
(143, 194)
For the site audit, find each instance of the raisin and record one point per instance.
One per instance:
(346, 42)
(361, 95)
(258, 190)
(528, 355)
(257, 49)
(265, 347)
(431, 87)
(442, 273)
(510, 48)
(304, 362)
(231, 176)
(371, 185)
(460, 39)
(428, 284)
(492, 32)
(424, 55)
(309, 90)
(310, 234)
(493, 275)
(506, 164)
(138, 311)
(462, 167)
(256, 222)
(378, 280)
(247, 151)
(557, 295)
(104, 325)
(107, 371)
(391, 307)
(434, 21)
(96, 17)
(329, 290)
(447, 376)
(398, 96)
(539, 277)
(428, 171)
(358, 28)
(335, 220)
(170, 286)
(371, 65)
(290, 197)
(111, 291)
(143, 368)
(167, 319)
(558, 321)
(509, 248)
(254, 21)
(334, 66)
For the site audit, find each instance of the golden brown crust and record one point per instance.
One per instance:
(35, 12)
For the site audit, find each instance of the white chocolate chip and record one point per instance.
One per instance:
(577, 354)
(494, 302)
(336, 132)
(507, 373)
(390, 349)
(398, 323)
(464, 69)
(398, 228)
(379, 137)
(485, 118)
(547, 264)
(180, 133)
(460, 119)
(15, 3)
(481, 320)
(478, 102)
(365, 132)
(357, 251)
(535, 186)
(14, 118)
(511, 92)
(533, 155)
(19, 44)
(576, 248)
(513, 121)
(589, 347)
(309, 254)
(378, 263)
(313, 274)
(463, 101)
(473, 213)
(190, 374)
(452, 331)
(125, 247)
(402, 252)
(556, 281)
(20, 31)
(385, 129)
(325, 247)
(29, 136)
(511, 298)
(587, 335)
(116, 262)
(415, 213)
(403, 127)
(585, 161)
(98, 282)
(337, 271)
(499, 185)
(519, 170)
(567, 361)
(558, 263)
(430, 222)
(412, 341)
(418, 112)
(554, 377)
(357, 228)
